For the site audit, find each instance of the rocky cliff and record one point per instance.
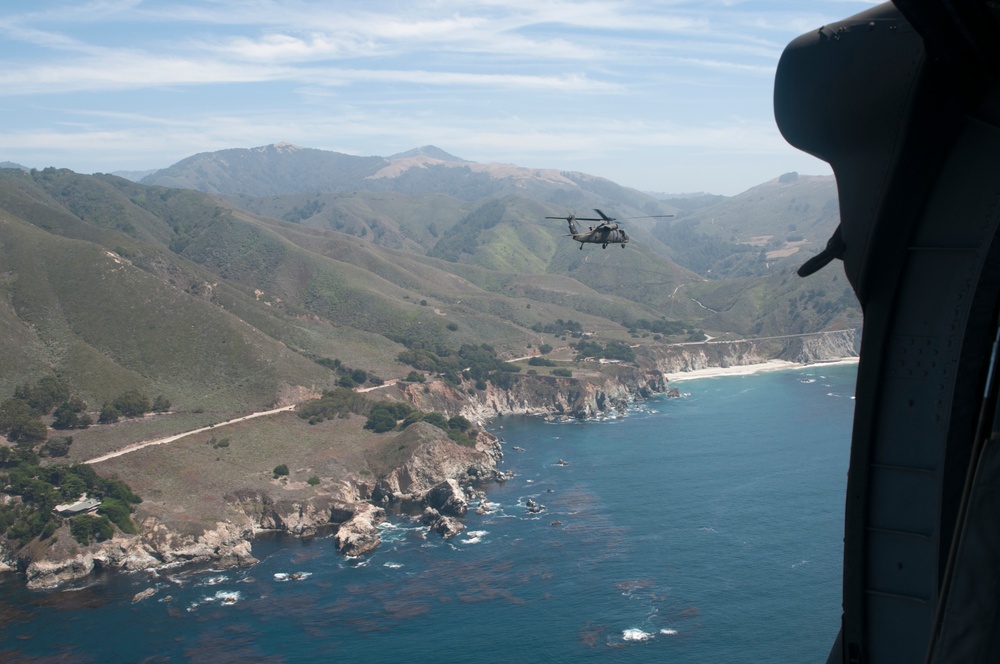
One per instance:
(354, 509)
(592, 393)
(805, 349)
(158, 545)
(436, 474)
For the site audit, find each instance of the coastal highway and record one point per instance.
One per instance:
(716, 340)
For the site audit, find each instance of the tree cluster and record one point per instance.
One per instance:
(662, 326)
(559, 327)
(478, 363)
(41, 488)
(339, 402)
(21, 415)
(348, 377)
(614, 350)
(132, 403)
(394, 415)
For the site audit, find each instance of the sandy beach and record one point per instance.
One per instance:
(748, 369)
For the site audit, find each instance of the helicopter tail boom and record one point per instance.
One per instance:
(569, 219)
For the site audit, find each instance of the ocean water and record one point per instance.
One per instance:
(701, 529)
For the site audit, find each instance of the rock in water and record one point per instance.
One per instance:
(359, 534)
(446, 526)
(448, 498)
(145, 594)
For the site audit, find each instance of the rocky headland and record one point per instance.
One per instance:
(436, 478)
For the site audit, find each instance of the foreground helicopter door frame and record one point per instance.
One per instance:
(904, 104)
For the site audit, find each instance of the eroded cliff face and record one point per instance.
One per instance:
(436, 460)
(591, 393)
(158, 545)
(803, 349)
(823, 347)
(581, 398)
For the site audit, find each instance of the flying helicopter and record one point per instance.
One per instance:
(605, 233)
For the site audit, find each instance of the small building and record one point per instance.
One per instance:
(83, 506)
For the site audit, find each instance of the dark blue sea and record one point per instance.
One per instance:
(701, 529)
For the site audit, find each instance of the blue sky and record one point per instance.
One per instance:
(667, 96)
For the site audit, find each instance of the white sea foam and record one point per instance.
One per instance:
(668, 632)
(635, 634)
(392, 565)
(224, 597)
(474, 536)
(227, 597)
(213, 580)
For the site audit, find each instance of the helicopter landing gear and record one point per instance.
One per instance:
(623, 245)
(604, 246)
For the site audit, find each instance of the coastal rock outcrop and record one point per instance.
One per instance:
(295, 517)
(227, 544)
(444, 525)
(434, 459)
(448, 498)
(597, 395)
(358, 535)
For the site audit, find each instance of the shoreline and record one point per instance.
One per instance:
(751, 369)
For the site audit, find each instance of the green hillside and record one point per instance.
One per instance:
(228, 302)
(781, 222)
(114, 285)
(106, 326)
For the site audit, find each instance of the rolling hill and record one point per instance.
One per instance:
(237, 286)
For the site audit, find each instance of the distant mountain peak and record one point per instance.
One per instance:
(278, 147)
(431, 151)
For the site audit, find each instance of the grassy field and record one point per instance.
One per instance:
(188, 479)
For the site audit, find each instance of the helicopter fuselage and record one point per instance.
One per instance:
(603, 235)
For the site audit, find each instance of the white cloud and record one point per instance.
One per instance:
(110, 84)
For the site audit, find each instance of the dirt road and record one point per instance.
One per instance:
(170, 439)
